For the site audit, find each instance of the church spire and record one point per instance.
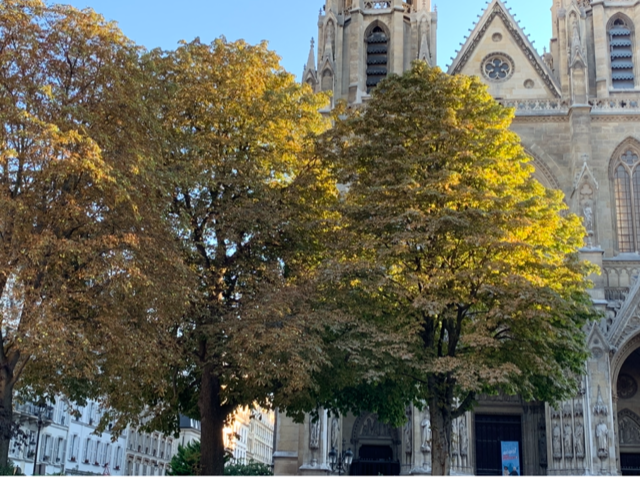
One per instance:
(309, 75)
(311, 61)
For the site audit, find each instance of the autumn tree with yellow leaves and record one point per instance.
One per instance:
(83, 254)
(460, 271)
(250, 206)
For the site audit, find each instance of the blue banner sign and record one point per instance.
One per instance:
(510, 458)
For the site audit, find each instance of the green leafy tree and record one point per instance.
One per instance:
(459, 271)
(249, 205)
(186, 461)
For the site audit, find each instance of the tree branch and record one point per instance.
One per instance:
(464, 406)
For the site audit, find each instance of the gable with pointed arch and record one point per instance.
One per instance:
(628, 428)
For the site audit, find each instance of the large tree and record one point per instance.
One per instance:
(81, 253)
(248, 203)
(460, 271)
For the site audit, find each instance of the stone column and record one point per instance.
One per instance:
(580, 124)
(579, 84)
(563, 60)
(599, 416)
(531, 420)
(601, 49)
(636, 53)
(421, 461)
(397, 38)
(285, 453)
(357, 78)
(434, 38)
(339, 92)
(314, 446)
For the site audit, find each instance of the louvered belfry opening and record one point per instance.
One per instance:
(377, 57)
(621, 46)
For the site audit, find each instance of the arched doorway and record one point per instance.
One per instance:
(629, 414)
(376, 447)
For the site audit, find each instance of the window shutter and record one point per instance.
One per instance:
(621, 50)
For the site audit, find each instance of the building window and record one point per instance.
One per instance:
(377, 57)
(87, 451)
(626, 178)
(621, 49)
(497, 67)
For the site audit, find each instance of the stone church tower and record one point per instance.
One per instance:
(361, 41)
(578, 115)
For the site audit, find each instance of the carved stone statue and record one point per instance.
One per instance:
(464, 437)
(556, 442)
(425, 41)
(548, 59)
(602, 435)
(579, 438)
(455, 438)
(576, 42)
(542, 448)
(407, 437)
(588, 218)
(600, 407)
(329, 40)
(314, 435)
(568, 441)
(425, 445)
(575, 50)
(335, 433)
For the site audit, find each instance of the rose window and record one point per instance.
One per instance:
(497, 67)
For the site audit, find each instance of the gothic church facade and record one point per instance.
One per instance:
(578, 115)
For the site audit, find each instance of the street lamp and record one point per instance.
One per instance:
(340, 462)
(40, 411)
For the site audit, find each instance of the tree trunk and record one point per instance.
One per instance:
(6, 414)
(440, 413)
(212, 419)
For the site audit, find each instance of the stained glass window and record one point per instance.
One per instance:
(627, 197)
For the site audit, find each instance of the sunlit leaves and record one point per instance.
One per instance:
(249, 204)
(462, 266)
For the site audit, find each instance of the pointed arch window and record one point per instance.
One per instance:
(626, 186)
(377, 57)
(621, 50)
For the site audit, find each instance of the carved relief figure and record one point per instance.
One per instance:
(425, 445)
(329, 41)
(588, 218)
(455, 438)
(455, 444)
(576, 42)
(407, 437)
(576, 50)
(542, 448)
(602, 435)
(548, 58)
(568, 441)
(579, 437)
(335, 433)
(629, 431)
(314, 435)
(600, 407)
(374, 428)
(464, 437)
(557, 442)
(425, 42)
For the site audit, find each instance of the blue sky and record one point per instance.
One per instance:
(287, 25)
